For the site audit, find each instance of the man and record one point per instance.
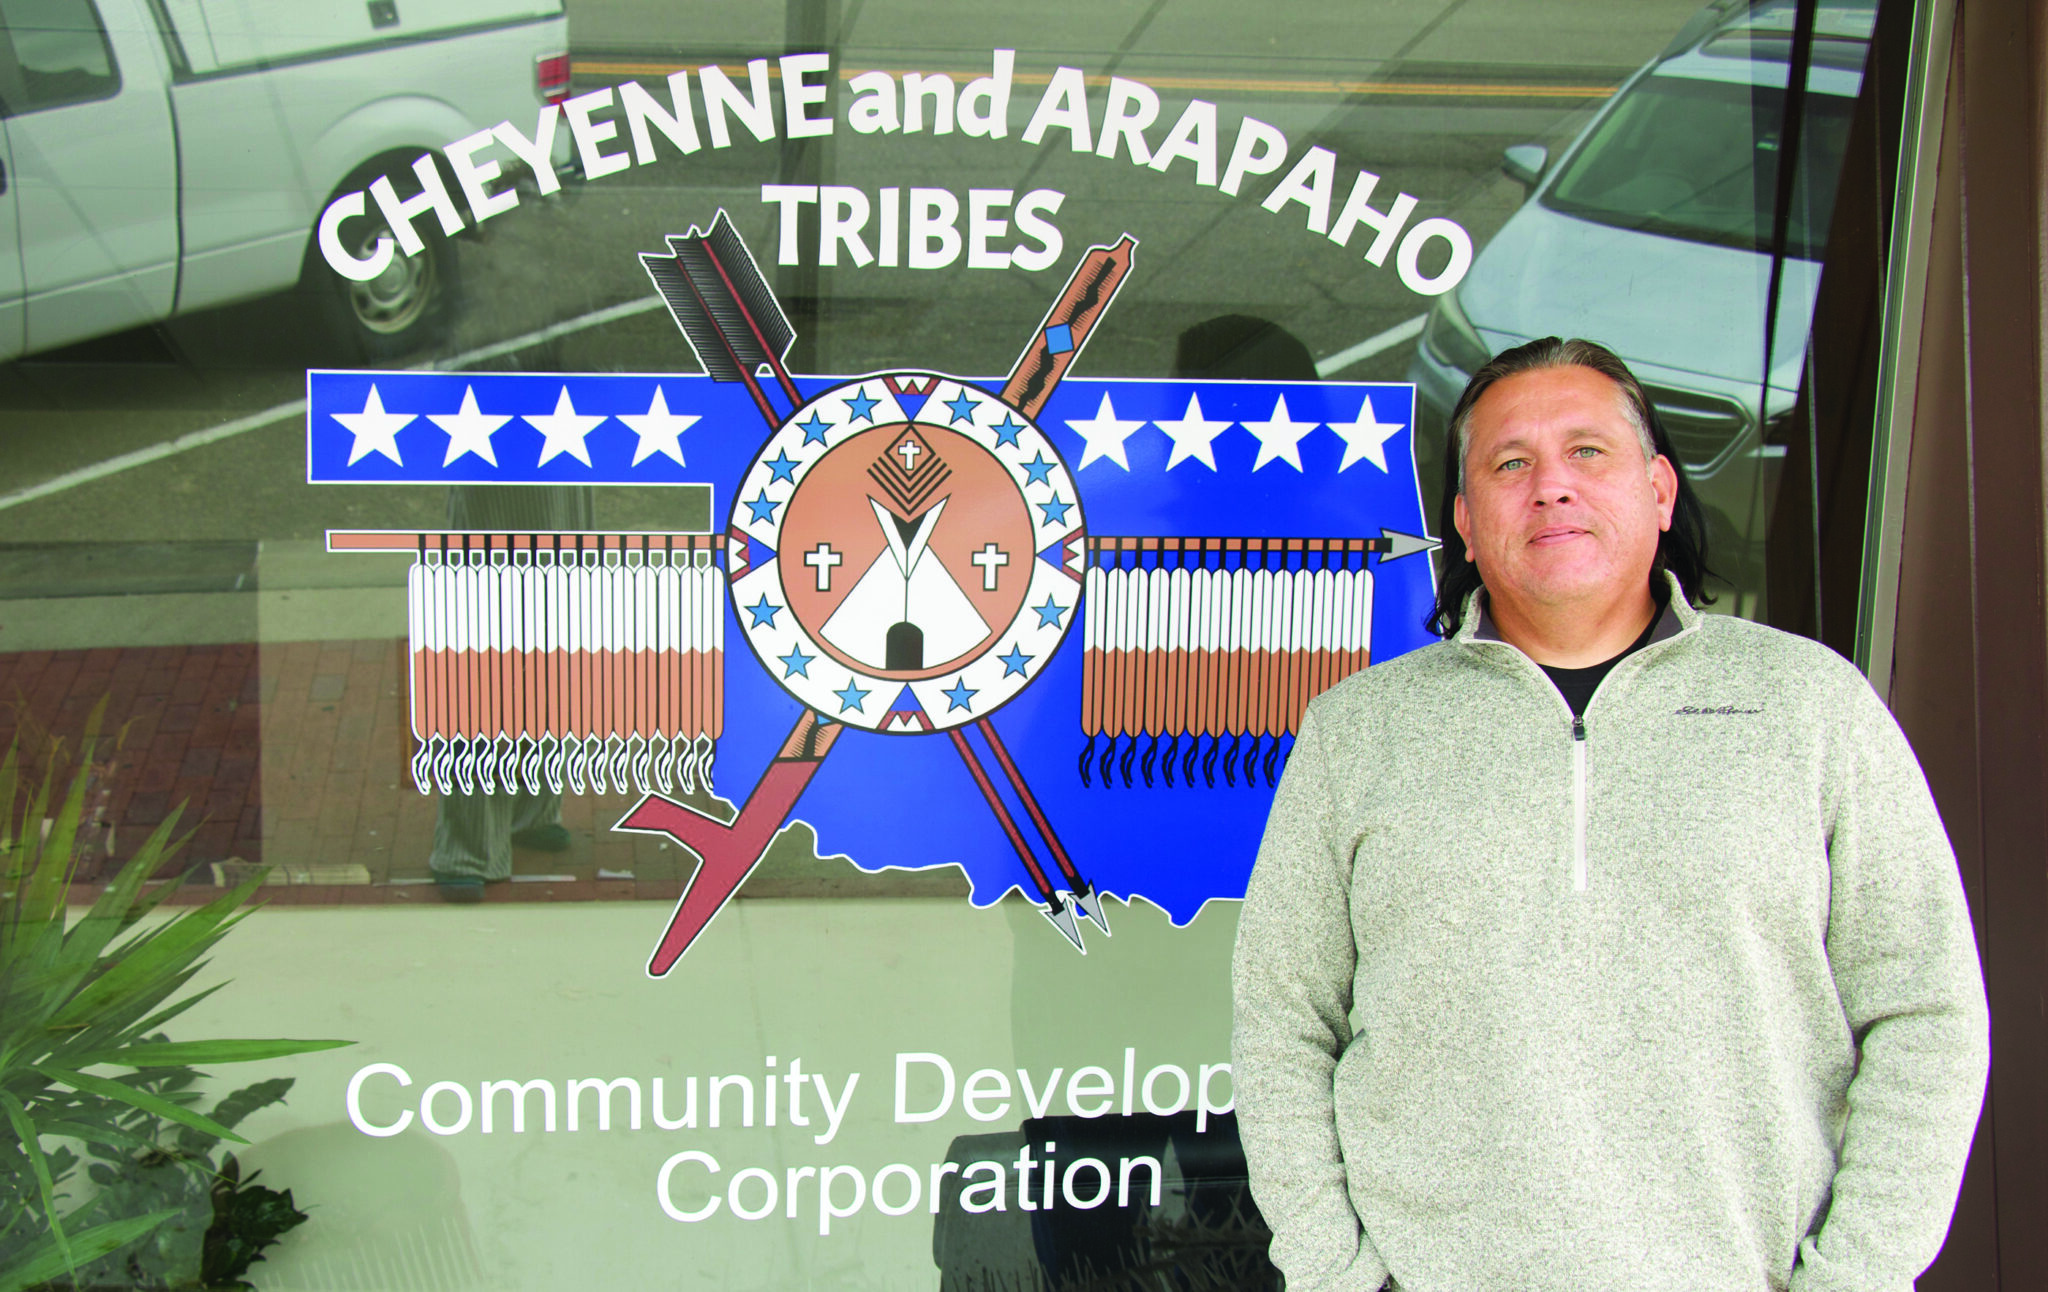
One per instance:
(1606, 944)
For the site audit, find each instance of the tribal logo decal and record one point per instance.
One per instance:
(906, 543)
(907, 555)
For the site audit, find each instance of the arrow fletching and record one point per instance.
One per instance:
(725, 308)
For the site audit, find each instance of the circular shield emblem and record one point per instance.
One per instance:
(906, 553)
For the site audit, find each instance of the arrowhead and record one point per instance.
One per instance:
(1062, 916)
(1090, 906)
(1405, 544)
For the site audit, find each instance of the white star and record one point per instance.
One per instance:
(1105, 433)
(658, 429)
(376, 431)
(565, 430)
(1192, 436)
(469, 431)
(1280, 437)
(1365, 439)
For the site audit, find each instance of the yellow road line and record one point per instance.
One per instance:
(1207, 84)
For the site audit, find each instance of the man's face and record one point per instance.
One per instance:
(1558, 508)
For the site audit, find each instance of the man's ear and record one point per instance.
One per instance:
(1664, 486)
(1463, 520)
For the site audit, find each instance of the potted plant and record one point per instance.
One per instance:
(84, 1062)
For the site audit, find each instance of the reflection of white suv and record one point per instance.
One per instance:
(1652, 235)
(163, 156)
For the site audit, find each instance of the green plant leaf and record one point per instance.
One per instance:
(184, 938)
(157, 1020)
(78, 990)
(248, 1217)
(123, 903)
(109, 1028)
(31, 1144)
(56, 862)
(231, 1111)
(116, 1027)
(29, 835)
(116, 904)
(44, 1261)
(169, 1054)
(252, 1098)
(110, 1136)
(142, 1099)
(10, 780)
(149, 858)
(153, 897)
(41, 893)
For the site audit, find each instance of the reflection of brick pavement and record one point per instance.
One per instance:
(187, 719)
(295, 754)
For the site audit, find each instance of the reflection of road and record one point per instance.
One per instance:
(1204, 34)
(553, 264)
(1407, 82)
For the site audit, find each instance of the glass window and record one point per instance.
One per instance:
(746, 579)
(1684, 158)
(62, 52)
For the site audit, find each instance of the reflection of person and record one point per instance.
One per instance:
(1606, 944)
(474, 834)
(1239, 345)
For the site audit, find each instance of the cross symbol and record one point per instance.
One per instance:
(909, 449)
(990, 559)
(822, 558)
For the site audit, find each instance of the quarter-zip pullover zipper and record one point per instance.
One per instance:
(1578, 804)
(1580, 876)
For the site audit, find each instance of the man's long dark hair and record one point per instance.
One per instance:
(1682, 549)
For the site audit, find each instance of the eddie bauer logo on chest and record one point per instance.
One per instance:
(1694, 710)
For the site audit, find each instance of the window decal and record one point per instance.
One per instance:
(1058, 631)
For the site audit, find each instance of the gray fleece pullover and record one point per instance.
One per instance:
(1691, 1002)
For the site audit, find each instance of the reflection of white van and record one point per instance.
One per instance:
(163, 156)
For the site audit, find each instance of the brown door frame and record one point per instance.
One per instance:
(1969, 662)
